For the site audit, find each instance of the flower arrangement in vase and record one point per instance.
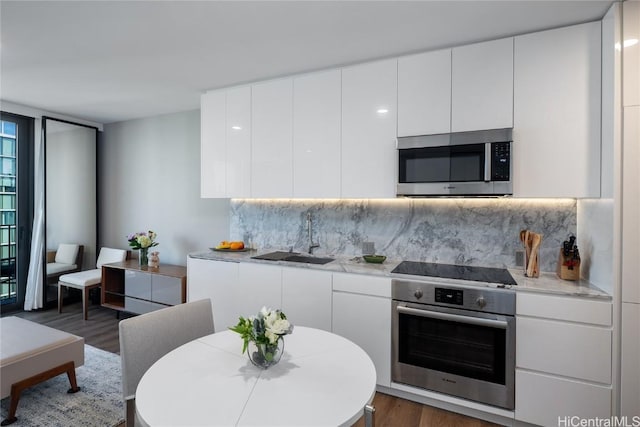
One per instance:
(142, 241)
(263, 336)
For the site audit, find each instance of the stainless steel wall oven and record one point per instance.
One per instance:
(455, 339)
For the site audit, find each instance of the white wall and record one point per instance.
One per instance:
(149, 178)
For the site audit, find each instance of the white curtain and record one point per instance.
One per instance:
(35, 288)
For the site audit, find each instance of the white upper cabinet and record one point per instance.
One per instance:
(556, 148)
(369, 113)
(272, 128)
(424, 93)
(482, 86)
(213, 144)
(238, 130)
(316, 135)
(225, 147)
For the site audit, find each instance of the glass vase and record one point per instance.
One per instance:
(143, 257)
(265, 355)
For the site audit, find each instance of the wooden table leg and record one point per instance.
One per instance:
(59, 297)
(17, 388)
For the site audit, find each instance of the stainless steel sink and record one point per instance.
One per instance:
(293, 257)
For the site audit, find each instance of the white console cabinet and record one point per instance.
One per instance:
(563, 358)
(126, 286)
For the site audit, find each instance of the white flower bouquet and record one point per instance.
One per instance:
(142, 240)
(262, 335)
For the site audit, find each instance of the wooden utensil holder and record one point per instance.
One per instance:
(568, 267)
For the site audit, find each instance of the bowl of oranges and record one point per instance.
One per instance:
(230, 246)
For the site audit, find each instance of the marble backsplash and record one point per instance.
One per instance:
(482, 232)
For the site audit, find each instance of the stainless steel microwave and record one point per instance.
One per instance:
(474, 163)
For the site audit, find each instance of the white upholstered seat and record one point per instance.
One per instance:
(89, 279)
(66, 259)
(32, 353)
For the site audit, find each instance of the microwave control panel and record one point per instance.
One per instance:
(500, 161)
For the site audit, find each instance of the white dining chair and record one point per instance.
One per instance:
(146, 338)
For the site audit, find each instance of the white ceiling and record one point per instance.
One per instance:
(110, 61)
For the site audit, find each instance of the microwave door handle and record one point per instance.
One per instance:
(487, 161)
(479, 321)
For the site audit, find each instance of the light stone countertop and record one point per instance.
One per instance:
(547, 283)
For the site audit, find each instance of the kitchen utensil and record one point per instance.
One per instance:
(533, 269)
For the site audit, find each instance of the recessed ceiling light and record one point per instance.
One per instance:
(382, 111)
(236, 127)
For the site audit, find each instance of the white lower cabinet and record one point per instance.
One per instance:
(306, 297)
(630, 384)
(563, 358)
(546, 400)
(215, 280)
(365, 319)
(258, 286)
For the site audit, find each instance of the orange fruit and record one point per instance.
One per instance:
(236, 246)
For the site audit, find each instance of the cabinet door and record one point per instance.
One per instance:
(238, 147)
(316, 135)
(366, 320)
(546, 400)
(424, 93)
(215, 280)
(562, 348)
(306, 297)
(556, 132)
(166, 290)
(258, 286)
(137, 284)
(369, 158)
(631, 206)
(482, 86)
(631, 63)
(271, 147)
(213, 144)
(630, 384)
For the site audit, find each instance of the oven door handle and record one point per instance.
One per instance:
(500, 324)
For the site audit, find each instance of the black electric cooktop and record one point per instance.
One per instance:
(449, 271)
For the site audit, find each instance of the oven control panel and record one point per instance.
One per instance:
(449, 296)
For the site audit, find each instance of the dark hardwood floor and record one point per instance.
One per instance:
(101, 331)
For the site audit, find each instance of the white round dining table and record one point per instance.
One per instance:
(322, 379)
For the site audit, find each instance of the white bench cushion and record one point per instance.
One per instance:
(58, 267)
(29, 348)
(82, 278)
(66, 253)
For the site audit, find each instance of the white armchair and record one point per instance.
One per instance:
(89, 279)
(66, 259)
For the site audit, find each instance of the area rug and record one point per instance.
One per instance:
(98, 403)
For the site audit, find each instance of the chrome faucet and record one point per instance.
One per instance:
(310, 233)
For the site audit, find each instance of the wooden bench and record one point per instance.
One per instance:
(32, 353)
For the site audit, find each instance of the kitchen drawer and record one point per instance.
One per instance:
(360, 284)
(566, 349)
(542, 399)
(571, 309)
